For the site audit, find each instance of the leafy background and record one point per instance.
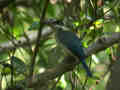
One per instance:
(90, 19)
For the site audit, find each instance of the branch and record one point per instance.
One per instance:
(103, 43)
(36, 49)
(69, 62)
(22, 42)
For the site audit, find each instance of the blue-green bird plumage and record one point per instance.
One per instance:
(74, 45)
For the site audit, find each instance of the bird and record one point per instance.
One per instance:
(70, 42)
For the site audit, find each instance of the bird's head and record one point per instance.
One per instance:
(57, 25)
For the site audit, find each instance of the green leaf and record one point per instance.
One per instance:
(18, 65)
(108, 51)
(85, 44)
(5, 69)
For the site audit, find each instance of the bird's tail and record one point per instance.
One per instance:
(86, 68)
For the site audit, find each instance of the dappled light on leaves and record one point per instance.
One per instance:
(33, 56)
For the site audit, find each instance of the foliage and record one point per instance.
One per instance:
(89, 19)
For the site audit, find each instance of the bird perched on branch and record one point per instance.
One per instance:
(71, 42)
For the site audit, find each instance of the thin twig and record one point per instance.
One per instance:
(37, 41)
